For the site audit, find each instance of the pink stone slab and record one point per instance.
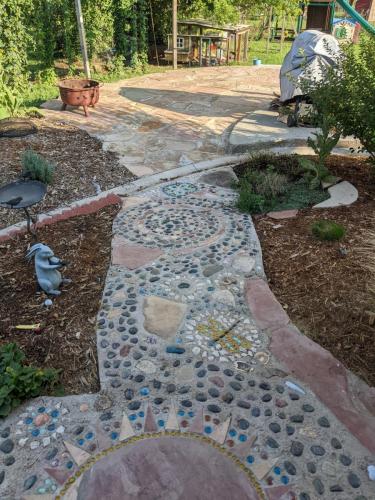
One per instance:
(263, 305)
(197, 423)
(326, 377)
(283, 214)
(132, 256)
(150, 424)
(166, 468)
(59, 475)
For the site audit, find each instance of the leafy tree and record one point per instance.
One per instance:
(344, 98)
(14, 41)
(355, 109)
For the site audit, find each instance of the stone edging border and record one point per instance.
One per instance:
(113, 196)
(313, 365)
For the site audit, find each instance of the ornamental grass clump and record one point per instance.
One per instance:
(36, 167)
(327, 230)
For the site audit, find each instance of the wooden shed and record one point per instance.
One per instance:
(207, 44)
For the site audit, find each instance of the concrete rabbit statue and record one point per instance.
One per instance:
(46, 268)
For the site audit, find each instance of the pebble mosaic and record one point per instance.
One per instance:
(201, 369)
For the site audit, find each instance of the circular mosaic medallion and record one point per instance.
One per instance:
(179, 189)
(170, 226)
(222, 334)
(167, 467)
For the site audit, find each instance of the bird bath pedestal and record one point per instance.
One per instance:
(23, 195)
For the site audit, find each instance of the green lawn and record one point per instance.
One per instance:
(274, 56)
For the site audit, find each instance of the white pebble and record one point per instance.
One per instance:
(48, 302)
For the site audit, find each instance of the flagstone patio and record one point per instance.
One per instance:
(207, 390)
(156, 122)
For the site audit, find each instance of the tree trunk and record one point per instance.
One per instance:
(269, 31)
(82, 38)
(174, 31)
(282, 38)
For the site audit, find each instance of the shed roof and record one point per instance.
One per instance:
(208, 24)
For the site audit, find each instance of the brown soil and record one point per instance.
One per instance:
(79, 159)
(325, 293)
(68, 338)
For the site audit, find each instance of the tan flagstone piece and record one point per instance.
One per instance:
(79, 456)
(220, 433)
(127, 430)
(172, 422)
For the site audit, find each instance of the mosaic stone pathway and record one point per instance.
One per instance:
(203, 395)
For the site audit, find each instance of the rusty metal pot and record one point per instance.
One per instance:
(74, 92)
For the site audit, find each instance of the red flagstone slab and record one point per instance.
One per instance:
(166, 468)
(283, 214)
(197, 423)
(150, 424)
(326, 377)
(263, 305)
(132, 256)
(59, 475)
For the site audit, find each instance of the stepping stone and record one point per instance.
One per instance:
(163, 317)
(343, 193)
(283, 214)
(132, 256)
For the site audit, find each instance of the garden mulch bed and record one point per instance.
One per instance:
(81, 165)
(325, 293)
(68, 337)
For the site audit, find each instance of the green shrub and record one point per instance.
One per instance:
(283, 164)
(313, 172)
(248, 201)
(327, 230)
(19, 381)
(36, 167)
(344, 97)
(10, 98)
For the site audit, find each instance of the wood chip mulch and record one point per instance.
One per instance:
(326, 293)
(68, 337)
(81, 165)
